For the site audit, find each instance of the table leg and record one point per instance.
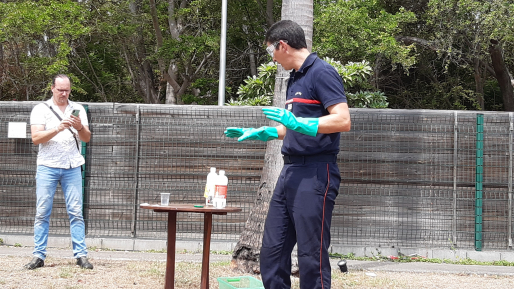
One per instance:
(207, 226)
(169, 282)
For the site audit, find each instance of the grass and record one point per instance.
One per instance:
(66, 272)
(408, 259)
(155, 269)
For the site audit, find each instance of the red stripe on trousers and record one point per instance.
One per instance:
(322, 224)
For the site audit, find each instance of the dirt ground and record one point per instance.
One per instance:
(63, 273)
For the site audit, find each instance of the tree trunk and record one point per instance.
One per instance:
(502, 75)
(269, 11)
(1, 69)
(143, 72)
(247, 251)
(170, 94)
(479, 83)
(251, 55)
(171, 91)
(301, 12)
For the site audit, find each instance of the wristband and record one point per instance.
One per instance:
(81, 128)
(57, 130)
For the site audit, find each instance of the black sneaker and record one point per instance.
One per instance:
(35, 263)
(84, 263)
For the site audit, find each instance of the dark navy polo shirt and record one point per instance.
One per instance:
(310, 90)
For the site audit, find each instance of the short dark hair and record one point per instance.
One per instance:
(287, 30)
(60, 76)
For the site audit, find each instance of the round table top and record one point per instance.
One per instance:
(199, 208)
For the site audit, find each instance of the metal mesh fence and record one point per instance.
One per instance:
(409, 179)
(408, 176)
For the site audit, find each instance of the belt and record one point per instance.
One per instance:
(310, 159)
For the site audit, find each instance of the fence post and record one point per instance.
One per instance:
(511, 129)
(85, 197)
(455, 163)
(136, 175)
(479, 178)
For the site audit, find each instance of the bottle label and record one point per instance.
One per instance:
(221, 191)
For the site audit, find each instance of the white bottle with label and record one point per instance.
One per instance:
(210, 187)
(220, 196)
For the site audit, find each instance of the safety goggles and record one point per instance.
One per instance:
(271, 48)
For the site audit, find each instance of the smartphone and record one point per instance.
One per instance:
(75, 112)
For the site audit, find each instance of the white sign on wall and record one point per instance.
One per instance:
(17, 130)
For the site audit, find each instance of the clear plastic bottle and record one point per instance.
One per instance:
(220, 196)
(210, 187)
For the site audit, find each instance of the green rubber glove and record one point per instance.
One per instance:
(308, 126)
(264, 133)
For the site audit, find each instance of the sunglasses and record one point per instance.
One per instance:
(271, 48)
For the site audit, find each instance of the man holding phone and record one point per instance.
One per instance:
(57, 126)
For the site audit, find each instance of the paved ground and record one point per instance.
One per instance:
(414, 267)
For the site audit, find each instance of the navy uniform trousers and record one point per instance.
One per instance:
(300, 212)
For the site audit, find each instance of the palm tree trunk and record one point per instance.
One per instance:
(246, 253)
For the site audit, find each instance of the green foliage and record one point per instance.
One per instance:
(355, 29)
(42, 35)
(258, 90)
(455, 55)
(452, 92)
(50, 25)
(207, 92)
(367, 99)
(263, 100)
(110, 50)
(356, 74)
(476, 21)
(187, 46)
(353, 73)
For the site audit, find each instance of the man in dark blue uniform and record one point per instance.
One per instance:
(300, 210)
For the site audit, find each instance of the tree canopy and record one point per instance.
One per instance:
(431, 54)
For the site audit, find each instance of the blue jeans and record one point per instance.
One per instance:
(46, 184)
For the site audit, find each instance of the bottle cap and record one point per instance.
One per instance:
(222, 172)
(213, 169)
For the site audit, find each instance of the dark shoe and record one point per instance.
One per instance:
(84, 263)
(35, 263)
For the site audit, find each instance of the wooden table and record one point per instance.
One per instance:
(172, 210)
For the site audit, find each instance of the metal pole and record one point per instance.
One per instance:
(223, 52)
